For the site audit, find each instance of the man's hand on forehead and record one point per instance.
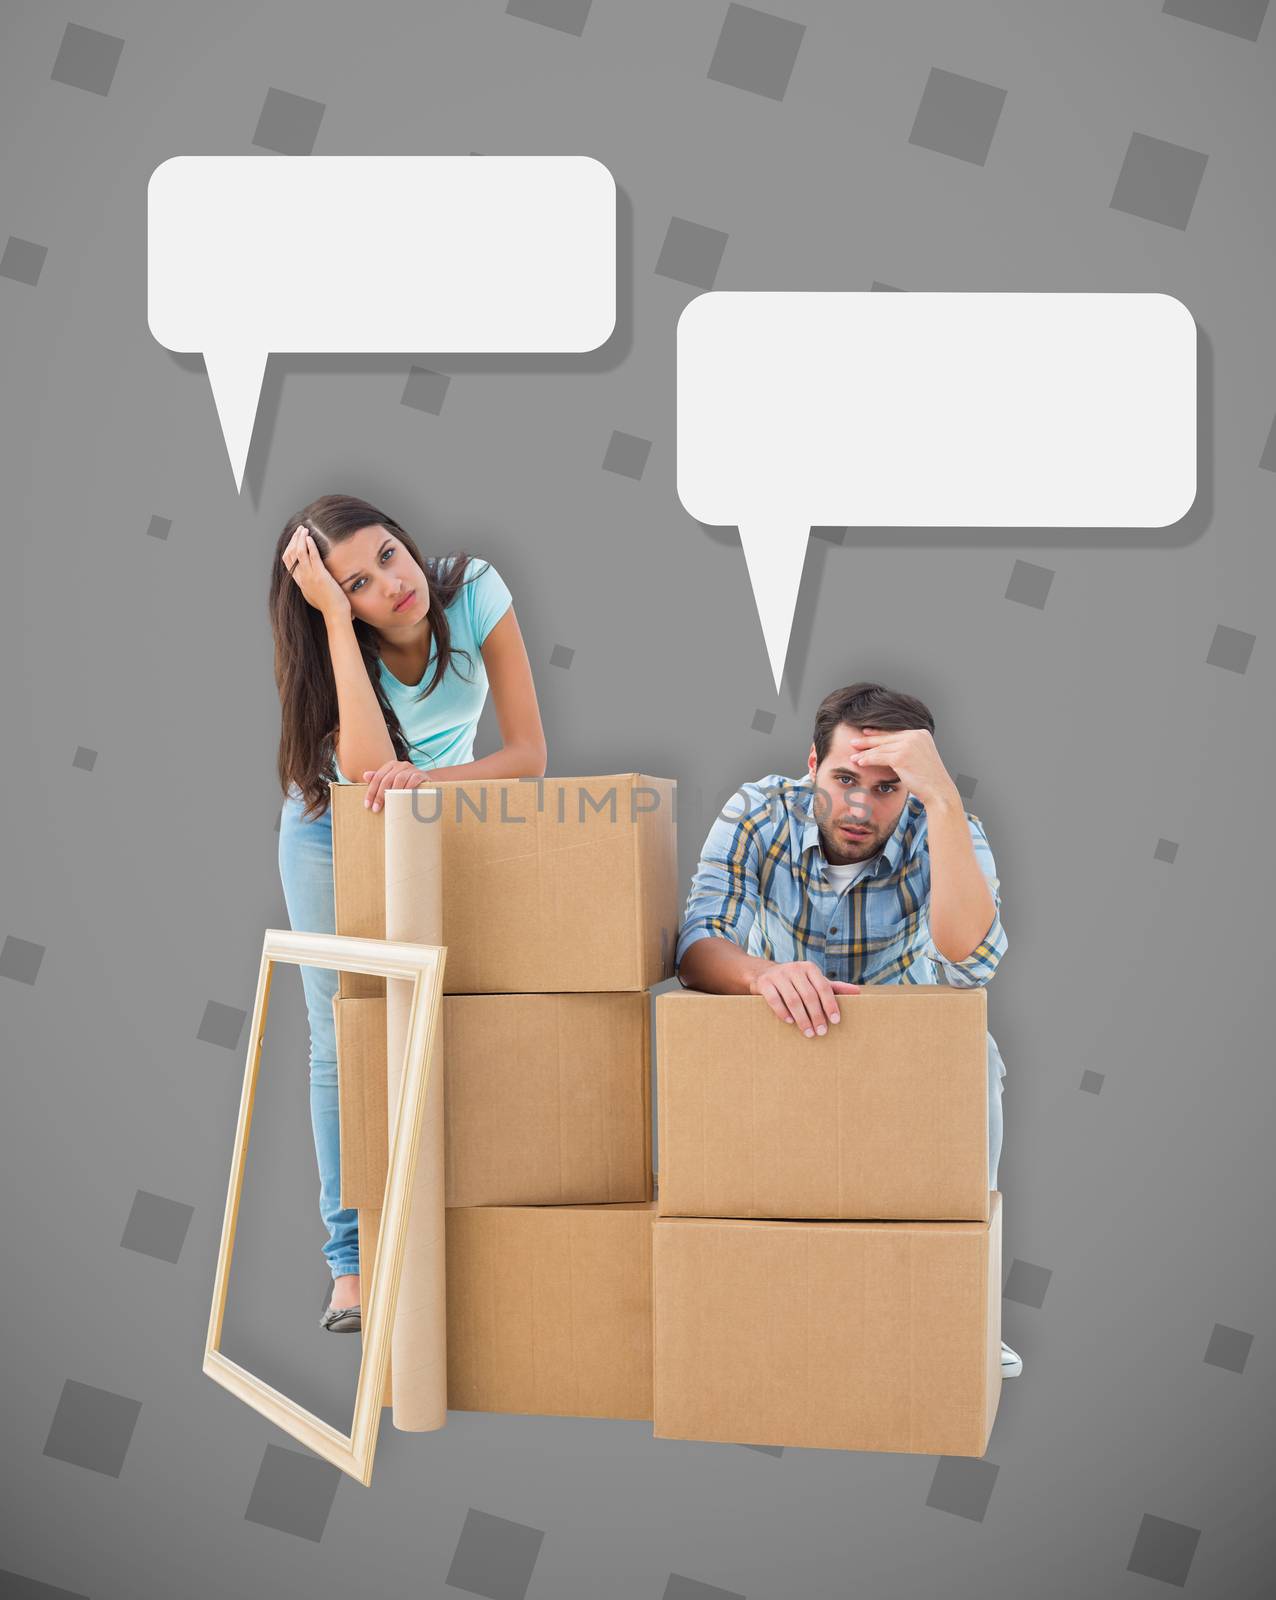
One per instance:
(911, 754)
(866, 737)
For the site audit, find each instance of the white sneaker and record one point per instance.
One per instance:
(1011, 1364)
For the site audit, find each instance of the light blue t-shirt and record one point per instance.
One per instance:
(440, 729)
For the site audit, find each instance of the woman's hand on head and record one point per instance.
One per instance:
(317, 584)
(394, 775)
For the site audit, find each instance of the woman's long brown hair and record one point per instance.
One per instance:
(303, 665)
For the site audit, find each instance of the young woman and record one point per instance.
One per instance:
(383, 660)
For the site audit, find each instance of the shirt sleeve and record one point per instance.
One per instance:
(725, 890)
(489, 600)
(978, 967)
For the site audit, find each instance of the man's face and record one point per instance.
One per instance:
(856, 807)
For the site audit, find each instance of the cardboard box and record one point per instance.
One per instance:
(829, 1335)
(546, 1099)
(885, 1116)
(549, 1310)
(550, 885)
(363, 1117)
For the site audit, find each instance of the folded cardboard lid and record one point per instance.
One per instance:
(872, 991)
(609, 1206)
(824, 1225)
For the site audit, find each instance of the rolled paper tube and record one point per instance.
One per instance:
(414, 913)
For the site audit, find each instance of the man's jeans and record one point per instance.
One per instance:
(305, 867)
(996, 1072)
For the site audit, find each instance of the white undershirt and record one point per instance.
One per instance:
(843, 877)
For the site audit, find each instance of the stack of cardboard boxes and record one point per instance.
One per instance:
(560, 912)
(822, 1265)
(827, 1260)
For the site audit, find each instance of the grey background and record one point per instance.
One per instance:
(1115, 743)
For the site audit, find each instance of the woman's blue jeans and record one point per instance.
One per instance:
(305, 867)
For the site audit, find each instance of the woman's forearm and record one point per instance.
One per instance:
(363, 740)
(510, 761)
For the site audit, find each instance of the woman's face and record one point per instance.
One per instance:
(385, 586)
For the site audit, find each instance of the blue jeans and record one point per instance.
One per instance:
(305, 868)
(996, 1072)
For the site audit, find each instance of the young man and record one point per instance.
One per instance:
(867, 870)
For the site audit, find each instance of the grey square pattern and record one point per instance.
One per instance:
(84, 758)
(1092, 1082)
(878, 287)
(568, 16)
(957, 116)
(222, 1025)
(562, 655)
(20, 959)
(966, 786)
(156, 1226)
(1158, 181)
(92, 1428)
(22, 260)
(626, 454)
(293, 1493)
(756, 51)
(158, 528)
(425, 390)
(494, 1557)
(1027, 1284)
(1164, 1550)
(962, 1486)
(1166, 850)
(1228, 1348)
(288, 124)
(1029, 584)
(1244, 18)
(87, 59)
(1268, 458)
(691, 253)
(1230, 648)
(680, 1588)
(763, 721)
(776, 1450)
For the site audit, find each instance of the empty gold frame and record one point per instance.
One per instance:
(422, 966)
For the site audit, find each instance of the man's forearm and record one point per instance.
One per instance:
(719, 966)
(961, 904)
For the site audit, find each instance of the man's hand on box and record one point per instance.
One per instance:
(394, 775)
(798, 992)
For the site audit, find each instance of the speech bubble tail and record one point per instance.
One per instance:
(235, 377)
(776, 555)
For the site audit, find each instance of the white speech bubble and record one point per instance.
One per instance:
(936, 410)
(252, 254)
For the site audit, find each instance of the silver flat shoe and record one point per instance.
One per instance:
(348, 1320)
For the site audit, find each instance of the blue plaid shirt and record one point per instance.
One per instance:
(761, 883)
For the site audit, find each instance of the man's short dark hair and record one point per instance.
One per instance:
(867, 705)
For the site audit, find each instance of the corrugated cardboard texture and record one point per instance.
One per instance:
(547, 1099)
(829, 1335)
(358, 878)
(361, 1096)
(414, 914)
(885, 1116)
(554, 885)
(549, 1310)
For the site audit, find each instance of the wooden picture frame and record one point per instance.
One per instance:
(422, 965)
